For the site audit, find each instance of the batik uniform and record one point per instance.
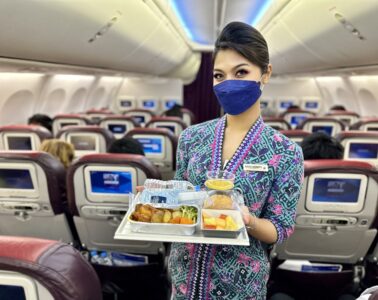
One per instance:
(201, 271)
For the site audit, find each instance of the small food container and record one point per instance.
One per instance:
(210, 222)
(220, 180)
(165, 228)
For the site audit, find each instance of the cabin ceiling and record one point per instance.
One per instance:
(163, 37)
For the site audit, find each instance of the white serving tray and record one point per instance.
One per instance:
(124, 233)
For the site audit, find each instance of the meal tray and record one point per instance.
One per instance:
(125, 232)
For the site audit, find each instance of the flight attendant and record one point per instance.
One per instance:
(268, 168)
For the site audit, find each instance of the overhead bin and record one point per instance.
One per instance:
(128, 36)
(319, 35)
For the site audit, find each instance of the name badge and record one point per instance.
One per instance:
(255, 168)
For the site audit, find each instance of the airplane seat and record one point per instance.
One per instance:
(296, 135)
(277, 123)
(64, 120)
(33, 196)
(99, 187)
(34, 269)
(360, 145)
(119, 125)
(96, 115)
(23, 137)
(141, 116)
(159, 147)
(368, 124)
(334, 227)
(326, 125)
(174, 124)
(347, 117)
(87, 139)
(296, 116)
(188, 117)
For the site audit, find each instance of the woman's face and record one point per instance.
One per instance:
(229, 64)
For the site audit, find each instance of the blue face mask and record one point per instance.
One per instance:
(236, 96)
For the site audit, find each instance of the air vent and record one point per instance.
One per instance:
(104, 29)
(348, 26)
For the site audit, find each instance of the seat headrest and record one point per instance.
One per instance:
(60, 268)
(366, 121)
(41, 131)
(120, 118)
(190, 113)
(108, 136)
(71, 116)
(295, 133)
(321, 119)
(340, 166)
(134, 160)
(53, 169)
(356, 134)
(296, 111)
(139, 110)
(167, 119)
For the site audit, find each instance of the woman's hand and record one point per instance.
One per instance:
(248, 218)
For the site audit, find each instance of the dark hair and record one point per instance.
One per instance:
(293, 106)
(174, 111)
(40, 119)
(245, 40)
(321, 146)
(338, 107)
(126, 145)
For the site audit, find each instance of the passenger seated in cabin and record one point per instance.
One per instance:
(338, 108)
(42, 120)
(293, 107)
(321, 146)
(63, 151)
(174, 111)
(126, 145)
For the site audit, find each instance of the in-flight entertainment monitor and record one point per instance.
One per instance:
(17, 286)
(285, 104)
(125, 103)
(117, 128)
(149, 104)
(336, 192)
(311, 105)
(364, 150)
(18, 142)
(327, 129)
(109, 183)
(153, 146)
(170, 103)
(18, 180)
(171, 128)
(295, 120)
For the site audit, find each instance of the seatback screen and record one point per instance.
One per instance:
(372, 129)
(286, 104)
(117, 128)
(111, 182)
(149, 104)
(151, 145)
(15, 179)
(263, 104)
(19, 143)
(125, 103)
(169, 104)
(139, 119)
(12, 292)
(84, 142)
(336, 190)
(362, 150)
(311, 105)
(325, 129)
(297, 119)
(68, 124)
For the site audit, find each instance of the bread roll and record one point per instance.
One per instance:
(218, 201)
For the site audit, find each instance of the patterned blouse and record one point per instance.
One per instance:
(202, 271)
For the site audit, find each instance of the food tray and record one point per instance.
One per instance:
(164, 228)
(124, 232)
(235, 214)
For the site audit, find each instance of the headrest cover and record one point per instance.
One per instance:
(65, 273)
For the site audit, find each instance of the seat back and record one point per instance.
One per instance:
(141, 116)
(311, 104)
(65, 120)
(277, 123)
(296, 116)
(125, 103)
(347, 117)
(329, 126)
(188, 117)
(368, 124)
(360, 145)
(119, 125)
(36, 269)
(87, 139)
(296, 135)
(159, 147)
(99, 186)
(32, 196)
(173, 124)
(23, 137)
(335, 214)
(95, 116)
